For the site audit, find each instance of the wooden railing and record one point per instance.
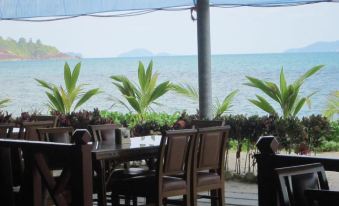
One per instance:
(72, 187)
(268, 160)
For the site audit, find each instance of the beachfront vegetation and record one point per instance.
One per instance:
(332, 108)
(27, 49)
(68, 99)
(286, 95)
(140, 97)
(4, 103)
(219, 107)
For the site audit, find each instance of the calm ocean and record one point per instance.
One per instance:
(228, 73)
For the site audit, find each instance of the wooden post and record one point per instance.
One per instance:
(6, 183)
(267, 194)
(81, 170)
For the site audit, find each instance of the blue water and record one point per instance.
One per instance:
(228, 73)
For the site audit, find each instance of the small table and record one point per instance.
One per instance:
(140, 148)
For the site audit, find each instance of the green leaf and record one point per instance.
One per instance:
(283, 86)
(75, 75)
(86, 97)
(225, 105)
(67, 77)
(309, 73)
(142, 76)
(4, 102)
(160, 90)
(299, 105)
(44, 84)
(186, 90)
(134, 103)
(263, 104)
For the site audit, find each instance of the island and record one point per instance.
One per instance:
(332, 46)
(12, 50)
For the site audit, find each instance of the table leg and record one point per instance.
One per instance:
(102, 201)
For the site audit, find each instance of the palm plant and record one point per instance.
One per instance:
(219, 107)
(140, 97)
(287, 96)
(332, 108)
(4, 102)
(67, 100)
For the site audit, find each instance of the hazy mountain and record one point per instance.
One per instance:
(28, 50)
(318, 47)
(142, 53)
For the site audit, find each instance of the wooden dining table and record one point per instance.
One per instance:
(140, 148)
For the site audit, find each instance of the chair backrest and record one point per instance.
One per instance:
(206, 123)
(28, 130)
(175, 153)
(209, 149)
(295, 180)
(6, 130)
(39, 118)
(105, 132)
(57, 134)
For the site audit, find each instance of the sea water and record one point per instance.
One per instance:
(228, 73)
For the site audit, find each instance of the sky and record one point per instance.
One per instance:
(233, 31)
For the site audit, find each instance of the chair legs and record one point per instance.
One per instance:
(217, 197)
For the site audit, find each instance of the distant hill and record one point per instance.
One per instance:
(142, 53)
(318, 47)
(28, 50)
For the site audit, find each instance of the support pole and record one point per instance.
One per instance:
(204, 59)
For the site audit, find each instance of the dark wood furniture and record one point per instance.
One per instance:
(140, 148)
(295, 180)
(57, 134)
(74, 187)
(39, 118)
(172, 176)
(208, 163)
(6, 129)
(268, 160)
(105, 132)
(206, 123)
(28, 130)
(322, 197)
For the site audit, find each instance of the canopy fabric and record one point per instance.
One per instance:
(21, 9)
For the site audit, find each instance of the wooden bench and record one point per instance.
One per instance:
(72, 187)
(268, 160)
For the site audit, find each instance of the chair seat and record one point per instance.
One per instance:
(135, 186)
(173, 183)
(207, 178)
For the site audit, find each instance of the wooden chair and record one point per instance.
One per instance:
(28, 130)
(293, 181)
(172, 176)
(6, 130)
(105, 132)
(322, 197)
(39, 118)
(57, 134)
(208, 164)
(207, 123)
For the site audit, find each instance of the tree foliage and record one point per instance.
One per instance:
(332, 108)
(219, 107)
(286, 95)
(4, 102)
(142, 95)
(67, 100)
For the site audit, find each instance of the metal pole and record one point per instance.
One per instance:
(204, 59)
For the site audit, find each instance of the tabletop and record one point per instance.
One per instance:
(138, 148)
